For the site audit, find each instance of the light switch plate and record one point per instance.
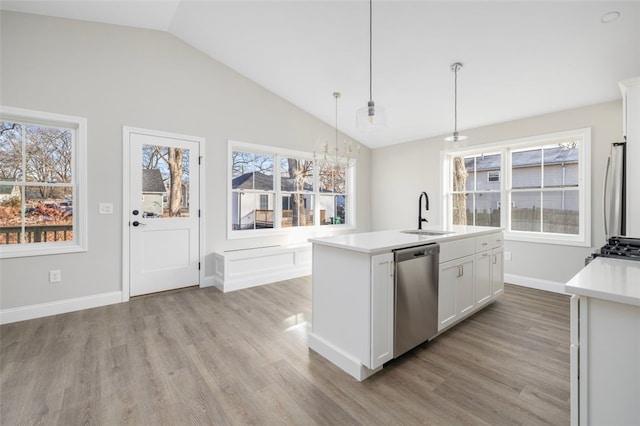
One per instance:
(105, 208)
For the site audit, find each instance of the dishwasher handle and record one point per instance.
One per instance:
(416, 252)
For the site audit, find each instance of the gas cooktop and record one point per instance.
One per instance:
(621, 247)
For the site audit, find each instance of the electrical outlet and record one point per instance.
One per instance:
(507, 255)
(55, 276)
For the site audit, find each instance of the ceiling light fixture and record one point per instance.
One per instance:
(455, 140)
(371, 117)
(336, 157)
(609, 17)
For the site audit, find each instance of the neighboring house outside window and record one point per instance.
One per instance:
(42, 183)
(277, 189)
(546, 187)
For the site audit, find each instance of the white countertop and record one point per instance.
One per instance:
(385, 241)
(609, 279)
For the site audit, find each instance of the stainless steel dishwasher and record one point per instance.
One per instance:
(416, 296)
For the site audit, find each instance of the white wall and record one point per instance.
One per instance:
(115, 76)
(407, 169)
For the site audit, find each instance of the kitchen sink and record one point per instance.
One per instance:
(426, 232)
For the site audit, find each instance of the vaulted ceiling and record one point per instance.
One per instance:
(520, 58)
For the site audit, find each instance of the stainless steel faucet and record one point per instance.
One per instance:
(426, 207)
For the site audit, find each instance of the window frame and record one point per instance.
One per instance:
(78, 182)
(583, 238)
(278, 153)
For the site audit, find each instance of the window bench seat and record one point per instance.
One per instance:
(238, 269)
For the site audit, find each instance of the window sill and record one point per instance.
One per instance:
(8, 252)
(530, 237)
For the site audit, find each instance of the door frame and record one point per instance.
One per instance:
(127, 131)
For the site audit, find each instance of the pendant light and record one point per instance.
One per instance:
(371, 117)
(455, 140)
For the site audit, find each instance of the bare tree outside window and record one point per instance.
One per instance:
(36, 183)
(459, 200)
(173, 166)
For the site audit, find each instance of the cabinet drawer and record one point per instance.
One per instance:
(487, 242)
(456, 249)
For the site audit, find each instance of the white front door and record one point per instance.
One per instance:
(163, 212)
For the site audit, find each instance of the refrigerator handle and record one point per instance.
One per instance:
(604, 198)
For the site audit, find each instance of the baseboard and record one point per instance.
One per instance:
(345, 362)
(208, 282)
(536, 283)
(60, 307)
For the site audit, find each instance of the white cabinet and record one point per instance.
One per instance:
(352, 309)
(382, 309)
(483, 278)
(497, 271)
(455, 290)
(604, 354)
(471, 276)
(631, 130)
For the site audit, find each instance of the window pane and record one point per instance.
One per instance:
(296, 175)
(48, 154)
(561, 166)
(165, 181)
(249, 212)
(332, 209)
(332, 179)
(486, 165)
(297, 210)
(525, 211)
(487, 209)
(252, 171)
(10, 151)
(48, 214)
(526, 168)
(561, 213)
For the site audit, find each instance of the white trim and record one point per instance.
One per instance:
(59, 307)
(126, 134)
(344, 361)
(79, 182)
(536, 283)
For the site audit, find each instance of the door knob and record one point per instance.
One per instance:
(136, 223)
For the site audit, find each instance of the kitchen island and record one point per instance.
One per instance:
(605, 343)
(353, 289)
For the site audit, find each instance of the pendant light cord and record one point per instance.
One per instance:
(455, 103)
(336, 95)
(370, 50)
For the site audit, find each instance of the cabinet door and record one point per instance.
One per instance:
(465, 296)
(483, 277)
(447, 313)
(382, 309)
(497, 271)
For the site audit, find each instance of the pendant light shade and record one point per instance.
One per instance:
(456, 140)
(372, 116)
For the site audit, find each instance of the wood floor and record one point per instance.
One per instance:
(202, 357)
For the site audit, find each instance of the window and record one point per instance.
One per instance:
(545, 194)
(493, 176)
(42, 183)
(309, 194)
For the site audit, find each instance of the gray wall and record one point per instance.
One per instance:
(413, 167)
(116, 76)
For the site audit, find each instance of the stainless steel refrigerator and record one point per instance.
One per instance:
(615, 191)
